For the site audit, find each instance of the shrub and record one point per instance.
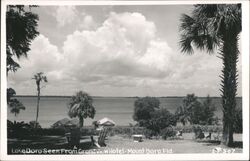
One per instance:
(34, 124)
(143, 107)
(49, 132)
(88, 131)
(26, 130)
(149, 133)
(205, 128)
(167, 132)
(160, 119)
(18, 129)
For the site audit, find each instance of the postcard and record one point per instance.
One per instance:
(124, 80)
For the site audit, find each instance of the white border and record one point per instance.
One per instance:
(245, 86)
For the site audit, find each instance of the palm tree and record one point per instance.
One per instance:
(184, 112)
(81, 106)
(211, 26)
(39, 78)
(15, 106)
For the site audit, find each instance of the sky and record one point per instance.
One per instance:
(124, 50)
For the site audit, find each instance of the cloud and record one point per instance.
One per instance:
(65, 15)
(70, 16)
(87, 22)
(123, 54)
(125, 45)
(43, 57)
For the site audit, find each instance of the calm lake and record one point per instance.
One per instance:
(119, 109)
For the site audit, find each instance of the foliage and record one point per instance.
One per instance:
(149, 133)
(208, 110)
(211, 26)
(17, 129)
(238, 121)
(81, 106)
(15, 106)
(160, 119)
(34, 124)
(183, 113)
(27, 130)
(88, 131)
(195, 112)
(143, 107)
(205, 128)
(39, 78)
(21, 129)
(167, 132)
(10, 93)
(148, 114)
(21, 29)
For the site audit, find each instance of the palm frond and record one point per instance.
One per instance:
(186, 44)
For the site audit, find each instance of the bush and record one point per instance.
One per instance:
(143, 107)
(160, 119)
(18, 129)
(34, 124)
(55, 132)
(149, 133)
(26, 130)
(205, 128)
(88, 131)
(167, 132)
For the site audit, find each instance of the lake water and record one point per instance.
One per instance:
(119, 109)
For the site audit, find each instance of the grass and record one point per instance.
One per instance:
(188, 145)
(119, 142)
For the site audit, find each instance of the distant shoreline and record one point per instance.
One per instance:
(55, 96)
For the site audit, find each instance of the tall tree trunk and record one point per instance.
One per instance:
(80, 121)
(229, 53)
(37, 107)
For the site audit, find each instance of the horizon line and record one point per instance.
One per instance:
(117, 96)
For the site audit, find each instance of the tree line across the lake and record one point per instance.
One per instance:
(209, 26)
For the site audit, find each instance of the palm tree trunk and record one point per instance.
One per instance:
(81, 121)
(229, 84)
(37, 108)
